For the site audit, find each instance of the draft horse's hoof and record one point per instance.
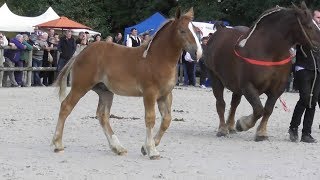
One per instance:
(238, 126)
(222, 134)
(261, 138)
(232, 131)
(143, 151)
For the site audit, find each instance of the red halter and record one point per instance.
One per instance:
(262, 62)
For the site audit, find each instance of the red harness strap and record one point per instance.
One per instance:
(262, 62)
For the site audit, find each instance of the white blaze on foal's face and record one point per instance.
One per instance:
(199, 48)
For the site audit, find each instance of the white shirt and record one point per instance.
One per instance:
(129, 40)
(188, 58)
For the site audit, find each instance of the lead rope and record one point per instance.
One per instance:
(314, 79)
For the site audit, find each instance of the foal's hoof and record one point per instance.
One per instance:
(57, 150)
(120, 151)
(222, 134)
(232, 131)
(143, 151)
(155, 157)
(261, 138)
(238, 126)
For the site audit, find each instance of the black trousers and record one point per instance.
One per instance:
(304, 80)
(203, 73)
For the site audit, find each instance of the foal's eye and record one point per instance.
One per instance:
(182, 31)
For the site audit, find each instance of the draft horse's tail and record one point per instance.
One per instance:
(61, 81)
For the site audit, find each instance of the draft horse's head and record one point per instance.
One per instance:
(310, 35)
(185, 32)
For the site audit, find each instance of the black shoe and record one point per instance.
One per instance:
(308, 138)
(293, 132)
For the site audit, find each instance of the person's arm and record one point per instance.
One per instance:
(20, 45)
(129, 42)
(29, 47)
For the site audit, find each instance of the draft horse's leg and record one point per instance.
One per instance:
(247, 122)
(66, 107)
(261, 133)
(217, 88)
(164, 106)
(103, 114)
(149, 100)
(236, 98)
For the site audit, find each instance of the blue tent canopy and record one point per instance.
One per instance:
(149, 25)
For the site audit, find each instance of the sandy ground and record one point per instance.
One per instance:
(189, 149)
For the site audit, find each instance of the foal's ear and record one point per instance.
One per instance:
(190, 13)
(178, 12)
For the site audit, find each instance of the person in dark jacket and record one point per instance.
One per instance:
(308, 83)
(15, 56)
(66, 47)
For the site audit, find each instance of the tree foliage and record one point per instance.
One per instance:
(111, 16)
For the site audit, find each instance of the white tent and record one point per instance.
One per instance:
(11, 22)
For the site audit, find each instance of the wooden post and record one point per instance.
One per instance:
(1, 65)
(29, 74)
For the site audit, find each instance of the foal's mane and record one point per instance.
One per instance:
(165, 24)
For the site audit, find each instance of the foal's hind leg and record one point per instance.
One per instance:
(236, 98)
(247, 122)
(66, 107)
(217, 88)
(103, 114)
(164, 105)
(261, 133)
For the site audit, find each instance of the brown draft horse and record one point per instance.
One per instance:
(148, 71)
(277, 30)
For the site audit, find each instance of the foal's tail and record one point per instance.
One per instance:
(61, 81)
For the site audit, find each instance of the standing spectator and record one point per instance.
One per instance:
(133, 40)
(97, 38)
(109, 39)
(41, 45)
(66, 47)
(14, 56)
(51, 33)
(3, 40)
(7, 63)
(189, 69)
(308, 83)
(118, 38)
(146, 37)
(25, 55)
(81, 36)
(203, 69)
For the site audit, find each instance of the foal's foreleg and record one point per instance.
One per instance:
(164, 105)
(247, 122)
(261, 133)
(66, 107)
(236, 98)
(103, 114)
(149, 148)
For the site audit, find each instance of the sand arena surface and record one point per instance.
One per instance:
(189, 149)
